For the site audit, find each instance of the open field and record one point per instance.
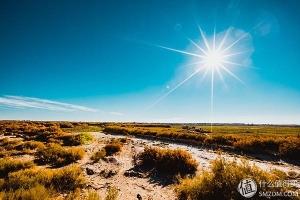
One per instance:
(74, 160)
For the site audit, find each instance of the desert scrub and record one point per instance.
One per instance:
(112, 194)
(29, 181)
(168, 161)
(76, 139)
(35, 193)
(101, 153)
(8, 165)
(290, 149)
(222, 179)
(113, 147)
(58, 155)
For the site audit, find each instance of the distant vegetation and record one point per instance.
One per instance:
(271, 140)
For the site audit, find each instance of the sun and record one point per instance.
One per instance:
(214, 59)
(216, 55)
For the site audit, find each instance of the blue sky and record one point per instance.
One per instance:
(120, 61)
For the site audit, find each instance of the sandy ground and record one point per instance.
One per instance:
(111, 171)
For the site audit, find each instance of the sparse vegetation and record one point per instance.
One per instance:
(101, 153)
(221, 180)
(53, 143)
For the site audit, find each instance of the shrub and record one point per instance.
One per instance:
(77, 139)
(168, 161)
(290, 149)
(57, 155)
(35, 193)
(8, 165)
(68, 178)
(222, 179)
(61, 180)
(113, 147)
(112, 194)
(32, 145)
(101, 153)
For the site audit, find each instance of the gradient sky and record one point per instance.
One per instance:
(105, 61)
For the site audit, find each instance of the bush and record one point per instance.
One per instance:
(168, 161)
(57, 155)
(290, 149)
(35, 193)
(61, 180)
(101, 153)
(77, 139)
(112, 194)
(68, 178)
(222, 179)
(9, 165)
(113, 147)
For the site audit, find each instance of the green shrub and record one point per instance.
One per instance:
(8, 165)
(77, 139)
(222, 179)
(168, 161)
(101, 153)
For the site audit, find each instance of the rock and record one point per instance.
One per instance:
(108, 173)
(131, 173)
(110, 159)
(139, 197)
(89, 171)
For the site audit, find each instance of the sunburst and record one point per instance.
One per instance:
(215, 56)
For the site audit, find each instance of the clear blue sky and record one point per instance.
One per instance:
(106, 61)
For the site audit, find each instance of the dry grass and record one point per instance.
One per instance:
(168, 161)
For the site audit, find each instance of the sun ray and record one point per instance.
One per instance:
(233, 63)
(232, 74)
(224, 38)
(182, 82)
(211, 99)
(238, 53)
(205, 40)
(197, 46)
(221, 77)
(180, 51)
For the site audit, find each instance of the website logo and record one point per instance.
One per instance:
(247, 187)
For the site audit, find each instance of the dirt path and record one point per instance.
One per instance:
(110, 172)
